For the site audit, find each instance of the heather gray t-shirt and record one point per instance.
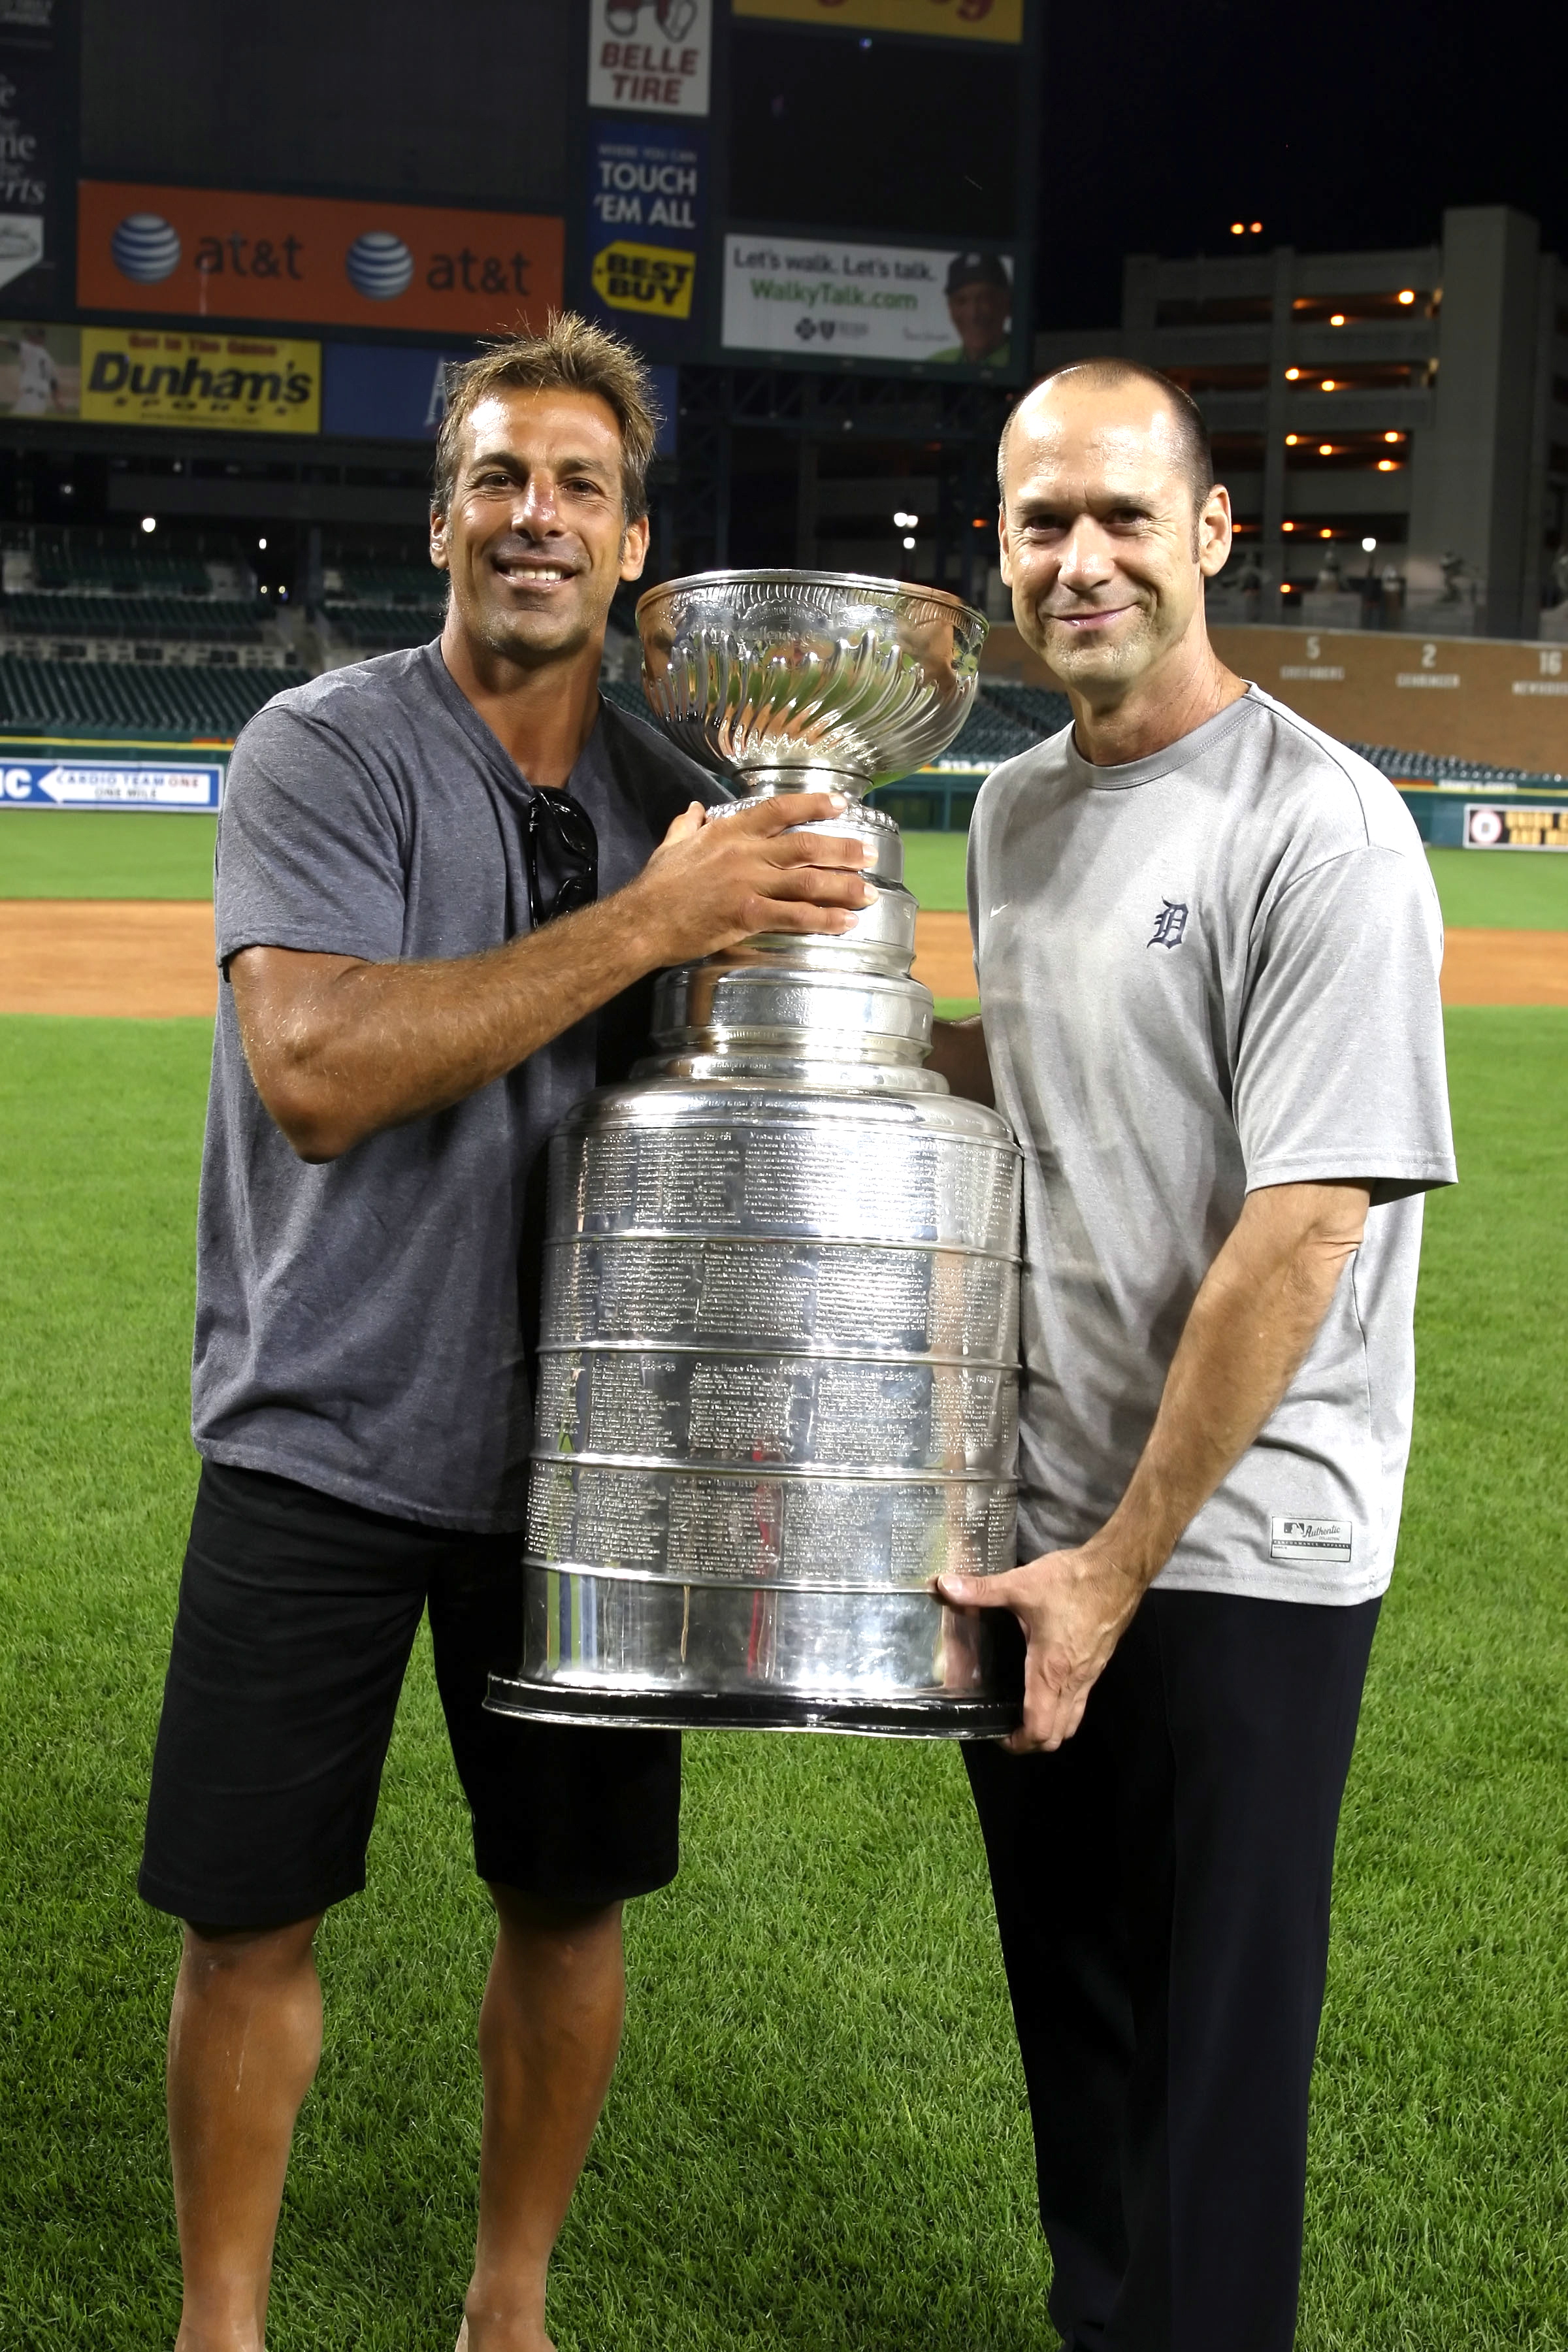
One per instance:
(364, 1327)
(1203, 972)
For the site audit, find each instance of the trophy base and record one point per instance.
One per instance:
(991, 1718)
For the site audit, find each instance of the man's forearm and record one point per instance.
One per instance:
(1259, 1310)
(370, 1046)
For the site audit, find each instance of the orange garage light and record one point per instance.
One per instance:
(1235, 228)
(1325, 448)
(1325, 533)
(1287, 526)
(1393, 436)
(1258, 229)
(1408, 294)
(1338, 320)
(1388, 465)
(1291, 439)
(1292, 375)
(1329, 384)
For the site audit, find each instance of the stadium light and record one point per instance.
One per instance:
(1408, 294)
(149, 523)
(908, 538)
(261, 544)
(1369, 547)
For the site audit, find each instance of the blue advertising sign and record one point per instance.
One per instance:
(647, 193)
(385, 391)
(111, 783)
(37, 106)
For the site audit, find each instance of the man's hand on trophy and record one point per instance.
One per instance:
(1074, 1607)
(712, 882)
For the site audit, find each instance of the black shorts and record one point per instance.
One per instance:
(296, 1619)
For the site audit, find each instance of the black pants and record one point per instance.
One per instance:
(1161, 1887)
(296, 1616)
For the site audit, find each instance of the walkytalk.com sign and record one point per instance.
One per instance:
(645, 213)
(232, 254)
(826, 300)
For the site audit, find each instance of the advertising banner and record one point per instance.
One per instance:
(646, 206)
(237, 383)
(1502, 824)
(650, 56)
(222, 254)
(947, 20)
(827, 299)
(37, 107)
(40, 369)
(386, 392)
(103, 784)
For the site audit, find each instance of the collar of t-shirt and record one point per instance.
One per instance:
(1179, 755)
(591, 760)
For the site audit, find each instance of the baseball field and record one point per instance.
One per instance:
(818, 2137)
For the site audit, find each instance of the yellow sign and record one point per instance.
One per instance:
(651, 278)
(240, 384)
(1516, 825)
(950, 20)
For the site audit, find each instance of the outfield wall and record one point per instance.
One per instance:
(1492, 699)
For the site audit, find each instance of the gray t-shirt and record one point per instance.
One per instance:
(364, 1327)
(1202, 973)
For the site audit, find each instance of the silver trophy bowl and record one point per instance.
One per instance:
(777, 1390)
(786, 680)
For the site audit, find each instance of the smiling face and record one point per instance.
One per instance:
(1101, 543)
(535, 540)
(980, 313)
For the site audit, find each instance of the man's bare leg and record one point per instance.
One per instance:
(549, 2030)
(244, 2037)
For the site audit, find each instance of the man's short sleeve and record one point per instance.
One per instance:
(309, 851)
(1340, 1065)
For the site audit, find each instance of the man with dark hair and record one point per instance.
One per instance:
(444, 880)
(1208, 948)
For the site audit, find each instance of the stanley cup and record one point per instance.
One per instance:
(778, 1369)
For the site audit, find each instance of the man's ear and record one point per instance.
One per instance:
(1002, 542)
(1214, 532)
(633, 548)
(438, 555)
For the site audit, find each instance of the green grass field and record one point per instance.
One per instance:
(818, 2137)
(97, 854)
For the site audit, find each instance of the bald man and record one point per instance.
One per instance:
(1208, 948)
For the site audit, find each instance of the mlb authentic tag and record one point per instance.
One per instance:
(1325, 1539)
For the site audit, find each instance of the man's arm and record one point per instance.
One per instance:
(1256, 1315)
(958, 1051)
(340, 1047)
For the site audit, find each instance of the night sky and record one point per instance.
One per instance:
(1341, 128)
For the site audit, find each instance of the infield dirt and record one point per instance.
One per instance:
(153, 958)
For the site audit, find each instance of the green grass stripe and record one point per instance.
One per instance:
(817, 2135)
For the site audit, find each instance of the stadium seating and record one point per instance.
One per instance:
(1443, 768)
(135, 698)
(191, 618)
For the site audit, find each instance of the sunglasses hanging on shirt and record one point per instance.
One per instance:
(562, 850)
